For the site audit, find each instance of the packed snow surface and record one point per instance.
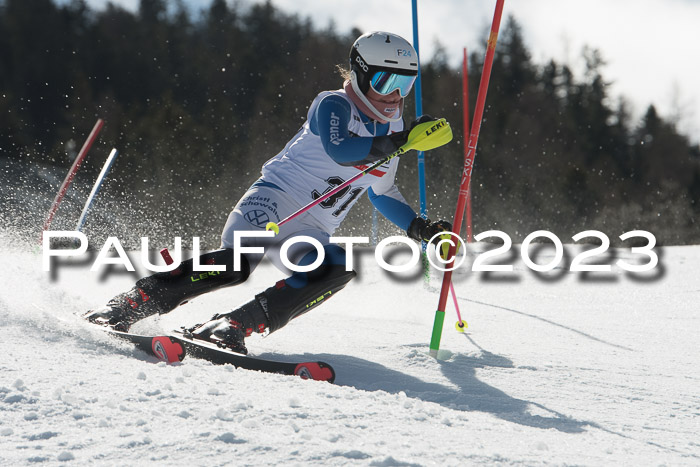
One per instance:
(556, 368)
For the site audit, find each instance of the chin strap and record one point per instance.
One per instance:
(378, 115)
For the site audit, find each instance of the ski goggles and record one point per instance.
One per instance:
(386, 82)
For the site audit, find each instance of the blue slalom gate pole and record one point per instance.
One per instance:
(421, 155)
(419, 112)
(96, 188)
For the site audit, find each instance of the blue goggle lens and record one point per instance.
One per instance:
(386, 82)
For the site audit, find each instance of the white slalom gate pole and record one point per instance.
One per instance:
(96, 188)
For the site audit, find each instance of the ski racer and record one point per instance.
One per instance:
(346, 130)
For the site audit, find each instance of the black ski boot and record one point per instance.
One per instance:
(229, 330)
(124, 310)
(164, 291)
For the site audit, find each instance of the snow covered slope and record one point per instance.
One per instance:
(560, 368)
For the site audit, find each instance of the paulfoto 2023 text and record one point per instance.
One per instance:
(445, 240)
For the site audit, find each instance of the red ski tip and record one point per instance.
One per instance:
(167, 350)
(317, 371)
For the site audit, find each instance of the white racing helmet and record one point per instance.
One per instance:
(384, 62)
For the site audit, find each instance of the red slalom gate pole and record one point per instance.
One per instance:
(466, 175)
(71, 173)
(465, 107)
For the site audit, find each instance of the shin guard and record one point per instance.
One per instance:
(290, 298)
(164, 291)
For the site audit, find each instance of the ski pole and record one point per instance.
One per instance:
(423, 137)
(461, 325)
(466, 174)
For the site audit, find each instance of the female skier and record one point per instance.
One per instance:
(346, 130)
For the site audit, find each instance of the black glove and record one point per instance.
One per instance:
(424, 229)
(382, 146)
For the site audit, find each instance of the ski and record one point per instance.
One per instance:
(164, 348)
(174, 347)
(318, 371)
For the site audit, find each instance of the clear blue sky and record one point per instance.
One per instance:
(633, 35)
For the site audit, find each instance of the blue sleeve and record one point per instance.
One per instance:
(331, 122)
(396, 211)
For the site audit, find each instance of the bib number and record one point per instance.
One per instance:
(333, 200)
